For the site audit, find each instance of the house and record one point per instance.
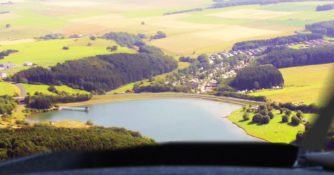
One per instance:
(3, 75)
(28, 64)
(7, 66)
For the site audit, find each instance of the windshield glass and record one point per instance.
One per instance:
(82, 75)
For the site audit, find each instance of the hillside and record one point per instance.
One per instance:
(43, 138)
(101, 73)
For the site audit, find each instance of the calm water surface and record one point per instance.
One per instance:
(162, 119)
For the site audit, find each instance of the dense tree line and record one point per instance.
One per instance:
(323, 28)
(312, 108)
(258, 77)
(262, 115)
(124, 39)
(275, 41)
(223, 4)
(159, 35)
(160, 87)
(183, 11)
(101, 73)
(7, 105)
(42, 138)
(286, 57)
(52, 36)
(325, 7)
(41, 101)
(242, 96)
(5, 53)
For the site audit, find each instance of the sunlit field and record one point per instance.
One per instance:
(8, 89)
(275, 131)
(307, 84)
(196, 32)
(32, 89)
(51, 52)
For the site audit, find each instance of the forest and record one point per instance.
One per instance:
(276, 41)
(5, 53)
(287, 57)
(101, 73)
(124, 39)
(41, 101)
(7, 105)
(258, 77)
(323, 28)
(325, 7)
(44, 138)
(223, 3)
(241, 96)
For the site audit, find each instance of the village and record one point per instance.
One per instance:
(225, 65)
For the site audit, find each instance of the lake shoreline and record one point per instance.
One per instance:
(103, 99)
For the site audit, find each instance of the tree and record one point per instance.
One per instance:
(295, 121)
(285, 119)
(257, 118)
(300, 115)
(92, 38)
(159, 35)
(52, 89)
(256, 85)
(265, 120)
(245, 117)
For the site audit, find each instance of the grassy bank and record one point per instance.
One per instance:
(275, 131)
(99, 99)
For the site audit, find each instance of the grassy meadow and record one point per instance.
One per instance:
(8, 89)
(275, 131)
(307, 84)
(32, 89)
(50, 52)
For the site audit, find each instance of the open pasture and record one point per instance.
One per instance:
(51, 52)
(308, 84)
(8, 89)
(32, 89)
(275, 131)
(196, 32)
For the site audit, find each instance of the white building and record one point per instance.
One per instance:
(3, 75)
(28, 64)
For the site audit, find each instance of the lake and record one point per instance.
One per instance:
(164, 120)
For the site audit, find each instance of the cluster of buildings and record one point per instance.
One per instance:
(7, 66)
(248, 52)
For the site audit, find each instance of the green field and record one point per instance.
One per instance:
(197, 32)
(8, 89)
(304, 84)
(49, 53)
(275, 131)
(32, 89)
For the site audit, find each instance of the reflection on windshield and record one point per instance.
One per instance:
(81, 75)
